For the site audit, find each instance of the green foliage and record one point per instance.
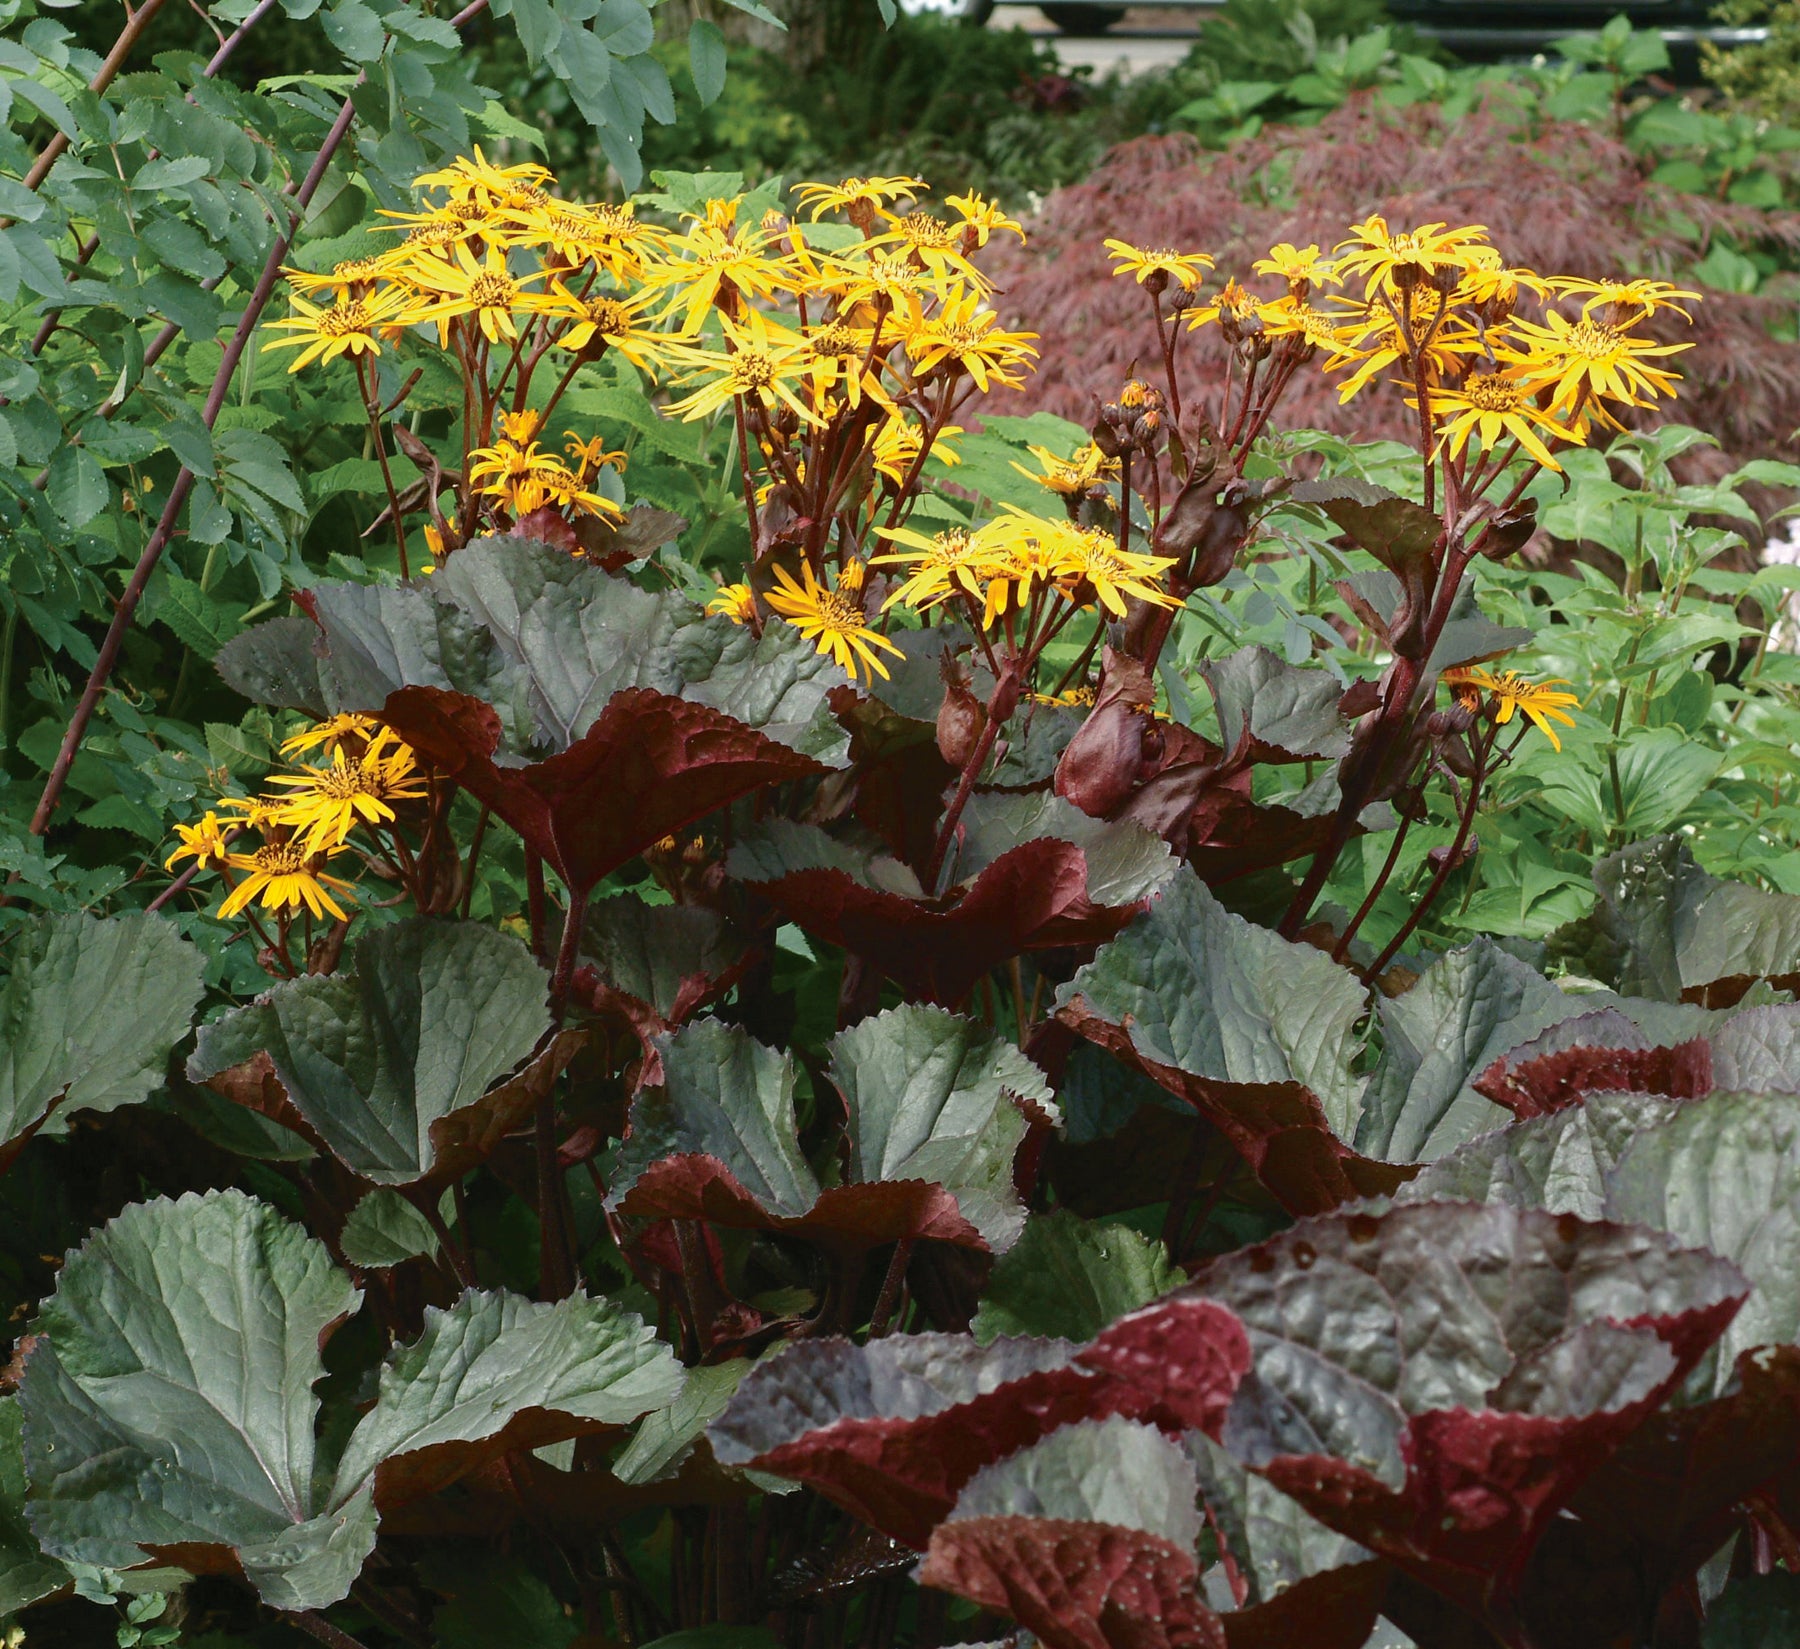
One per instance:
(1763, 75)
(928, 1236)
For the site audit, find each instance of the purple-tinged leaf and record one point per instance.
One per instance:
(1252, 1031)
(934, 1105)
(893, 1430)
(1087, 1538)
(1436, 1381)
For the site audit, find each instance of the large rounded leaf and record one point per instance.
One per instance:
(894, 1429)
(169, 1406)
(650, 764)
(934, 1123)
(89, 1015)
(1681, 934)
(1436, 1380)
(591, 716)
(401, 1067)
(496, 1373)
(1254, 1032)
(1721, 1173)
(1087, 1538)
(1028, 877)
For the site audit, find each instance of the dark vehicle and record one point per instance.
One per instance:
(1509, 28)
(1472, 28)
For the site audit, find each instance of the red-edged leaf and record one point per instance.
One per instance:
(696, 1187)
(933, 1105)
(1533, 1087)
(648, 766)
(1087, 1537)
(1252, 1031)
(1076, 1585)
(893, 1430)
(1661, 1506)
(649, 967)
(1033, 898)
(1436, 1381)
(1333, 1610)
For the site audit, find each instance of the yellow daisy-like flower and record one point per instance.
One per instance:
(1589, 357)
(1372, 341)
(1019, 554)
(524, 478)
(964, 335)
(762, 363)
(890, 282)
(252, 812)
(864, 194)
(1183, 268)
(1300, 266)
(1073, 477)
(1491, 406)
(207, 843)
(351, 326)
(349, 275)
(1511, 693)
(833, 620)
(600, 321)
(484, 288)
(1647, 297)
(712, 261)
(1400, 258)
(285, 877)
(933, 245)
(837, 352)
(940, 565)
(982, 217)
(591, 456)
(324, 804)
(735, 602)
(427, 247)
(1234, 305)
(1294, 317)
(895, 447)
(509, 461)
(475, 177)
(1090, 567)
(331, 732)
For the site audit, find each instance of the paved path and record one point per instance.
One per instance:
(1146, 37)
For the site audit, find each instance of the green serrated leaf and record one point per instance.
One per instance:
(171, 1399)
(1069, 1278)
(89, 1015)
(77, 486)
(384, 1229)
(203, 622)
(401, 1064)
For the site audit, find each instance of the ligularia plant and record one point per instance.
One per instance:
(834, 1103)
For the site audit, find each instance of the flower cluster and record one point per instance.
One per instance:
(306, 821)
(1436, 310)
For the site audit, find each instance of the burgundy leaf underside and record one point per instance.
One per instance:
(1031, 898)
(1553, 1082)
(649, 766)
(1279, 1128)
(1333, 1610)
(695, 1186)
(1175, 1366)
(1482, 1486)
(1076, 1585)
